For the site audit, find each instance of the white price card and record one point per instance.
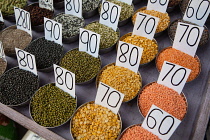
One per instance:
(160, 123)
(109, 97)
(173, 76)
(47, 4)
(110, 14)
(73, 7)
(23, 20)
(65, 80)
(2, 54)
(197, 12)
(187, 38)
(145, 25)
(26, 61)
(32, 136)
(157, 5)
(129, 2)
(89, 42)
(129, 56)
(1, 17)
(53, 31)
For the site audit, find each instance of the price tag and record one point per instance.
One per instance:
(110, 14)
(2, 54)
(73, 7)
(173, 76)
(129, 56)
(145, 25)
(129, 2)
(197, 12)
(47, 4)
(1, 17)
(157, 5)
(89, 42)
(23, 20)
(65, 80)
(26, 61)
(32, 136)
(160, 123)
(109, 97)
(53, 31)
(187, 38)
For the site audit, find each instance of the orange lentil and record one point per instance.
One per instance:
(180, 58)
(163, 97)
(138, 133)
(164, 18)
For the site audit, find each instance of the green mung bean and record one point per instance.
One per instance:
(89, 5)
(51, 106)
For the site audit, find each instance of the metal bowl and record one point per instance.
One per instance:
(123, 132)
(58, 5)
(90, 14)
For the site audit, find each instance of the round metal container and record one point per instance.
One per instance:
(182, 94)
(129, 34)
(4, 59)
(170, 9)
(92, 102)
(59, 5)
(54, 126)
(90, 80)
(26, 102)
(90, 14)
(123, 132)
(99, 74)
(196, 57)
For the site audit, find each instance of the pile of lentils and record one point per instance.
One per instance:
(95, 122)
(83, 65)
(109, 37)
(3, 65)
(37, 14)
(173, 26)
(164, 18)
(7, 6)
(165, 98)
(1, 25)
(121, 79)
(13, 38)
(180, 58)
(150, 47)
(137, 132)
(51, 106)
(17, 86)
(126, 9)
(70, 24)
(89, 5)
(46, 52)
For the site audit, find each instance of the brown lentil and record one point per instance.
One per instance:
(138, 133)
(163, 21)
(165, 98)
(3, 66)
(95, 122)
(121, 79)
(173, 27)
(150, 46)
(180, 58)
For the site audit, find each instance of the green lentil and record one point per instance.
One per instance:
(70, 24)
(7, 6)
(3, 66)
(51, 106)
(82, 64)
(89, 5)
(108, 36)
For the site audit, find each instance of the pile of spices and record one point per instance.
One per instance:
(138, 133)
(164, 18)
(173, 3)
(7, 6)
(180, 58)
(108, 36)
(1, 25)
(70, 24)
(46, 52)
(51, 106)
(13, 38)
(3, 66)
(17, 86)
(165, 98)
(89, 5)
(150, 46)
(95, 122)
(173, 27)
(121, 79)
(37, 14)
(126, 9)
(84, 66)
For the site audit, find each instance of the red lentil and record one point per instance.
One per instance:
(163, 97)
